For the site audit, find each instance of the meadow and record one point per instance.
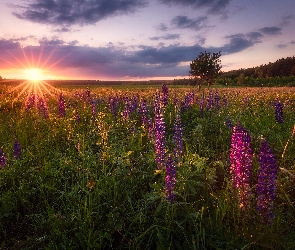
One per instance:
(147, 167)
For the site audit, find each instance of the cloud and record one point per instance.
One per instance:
(165, 37)
(270, 31)
(112, 61)
(281, 46)
(8, 45)
(184, 22)
(162, 27)
(213, 6)
(81, 12)
(236, 44)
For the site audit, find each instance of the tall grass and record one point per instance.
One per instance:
(93, 182)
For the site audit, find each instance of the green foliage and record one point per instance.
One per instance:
(206, 66)
(94, 184)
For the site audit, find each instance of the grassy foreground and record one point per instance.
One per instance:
(87, 177)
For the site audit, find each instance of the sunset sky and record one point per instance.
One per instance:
(140, 39)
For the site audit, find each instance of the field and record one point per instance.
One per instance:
(147, 167)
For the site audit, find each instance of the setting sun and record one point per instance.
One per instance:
(34, 74)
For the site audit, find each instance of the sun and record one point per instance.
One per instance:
(34, 74)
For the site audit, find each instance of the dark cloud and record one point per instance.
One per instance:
(184, 22)
(254, 35)
(213, 6)
(8, 45)
(236, 44)
(54, 41)
(162, 27)
(281, 46)
(62, 30)
(270, 31)
(165, 37)
(113, 61)
(69, 12)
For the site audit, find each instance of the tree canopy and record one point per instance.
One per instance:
(205, 67)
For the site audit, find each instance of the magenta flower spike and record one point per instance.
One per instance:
(266, 183)
(170, 179)
(241, 164)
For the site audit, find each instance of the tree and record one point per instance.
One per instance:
(205, 67)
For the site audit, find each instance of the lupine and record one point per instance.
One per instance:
(164, 95)
(61, 106)
(279, 111)
(170, 179)
(77, 116)
(241, 164)
(266, 184)
(202, 100)
(228, 122)
(217, 99)
(16, 150)
(113, 103)
(210, 100)
(178, 139)
(43, 107)
(30, 102)
(2, 160)
(160, 131)
(143, 111)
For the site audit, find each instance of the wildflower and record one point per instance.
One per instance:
(178, 140)
(266, 184)
(160, 131)
(16, 149)
(2, 160)
(170, 179)
(210, 101)
(279, 111)
(113, 103)
(61, 106)
(216, 100)
(202, 100)
(241, 164)
(43, 107)
(228, 122)
(77, 116)
(164, 95)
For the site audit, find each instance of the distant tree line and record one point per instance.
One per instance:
(279, 73)
(282, 67)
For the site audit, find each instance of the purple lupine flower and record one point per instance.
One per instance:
(241, 164)
(43, 107)
(202, 100)
(164, 95)
(266, 184)
(210, 101)
(30, 102)
(143, 111)
(224, 101)
(77, 116)
(228, 122)
(216, 100)
(16, 150)
(279, 111)
(61, 106)
(2, 160)
(160, 131)
(178, 140)
(113, 103)
(170, 179)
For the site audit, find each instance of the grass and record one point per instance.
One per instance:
(93, 183)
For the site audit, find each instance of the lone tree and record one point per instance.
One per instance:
(205, 67)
